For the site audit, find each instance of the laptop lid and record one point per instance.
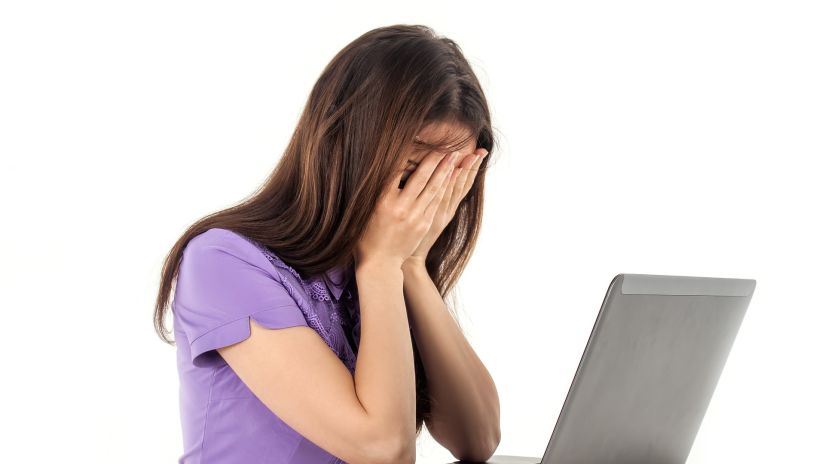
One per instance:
(649, 369)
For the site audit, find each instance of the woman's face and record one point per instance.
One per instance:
(428, 134)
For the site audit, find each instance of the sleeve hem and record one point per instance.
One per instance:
(238, 330)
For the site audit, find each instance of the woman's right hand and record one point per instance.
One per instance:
(403, 216)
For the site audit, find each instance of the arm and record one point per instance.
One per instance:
(465, 409)
(368, 419)
(385, 373)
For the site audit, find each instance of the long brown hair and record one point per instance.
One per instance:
(356, 130)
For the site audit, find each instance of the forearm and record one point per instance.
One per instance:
(465, 402)
(384, 373)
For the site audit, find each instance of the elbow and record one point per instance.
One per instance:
(403, 454)
(399, 449)
(481, 450)
(494, 442)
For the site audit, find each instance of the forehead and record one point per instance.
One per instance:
(439, 130)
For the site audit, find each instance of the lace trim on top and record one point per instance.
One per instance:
(333, 336)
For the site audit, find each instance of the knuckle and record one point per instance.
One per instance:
(397, 213)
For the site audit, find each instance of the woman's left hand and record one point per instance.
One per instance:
(460, 182)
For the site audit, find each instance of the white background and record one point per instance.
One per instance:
(637, 137)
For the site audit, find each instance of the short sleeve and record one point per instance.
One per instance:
(223, 281)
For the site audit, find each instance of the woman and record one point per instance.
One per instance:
(347, 250)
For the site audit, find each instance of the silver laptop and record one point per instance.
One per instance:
(648, 371)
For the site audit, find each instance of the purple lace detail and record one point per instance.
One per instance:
(334, 337)
(318, 291)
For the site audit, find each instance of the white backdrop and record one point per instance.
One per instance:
(638, 137)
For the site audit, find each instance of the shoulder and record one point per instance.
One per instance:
(217, 245)
(220, 264)
(225, 261)
(224, 279)
(217, 237)
(224, 273)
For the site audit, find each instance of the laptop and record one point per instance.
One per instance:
(648, 371)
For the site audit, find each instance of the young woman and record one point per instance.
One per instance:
(310, 319)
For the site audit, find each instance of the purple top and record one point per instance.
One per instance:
(224, 280)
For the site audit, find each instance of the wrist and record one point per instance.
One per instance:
(414, 271)
(378, 264)
(414, 264)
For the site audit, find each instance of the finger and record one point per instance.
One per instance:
(451, 188)
(419, 179)
(442, 190)
(464, 171)
(436, 181)
(452, 191)
(472, 172)
(437, 201)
